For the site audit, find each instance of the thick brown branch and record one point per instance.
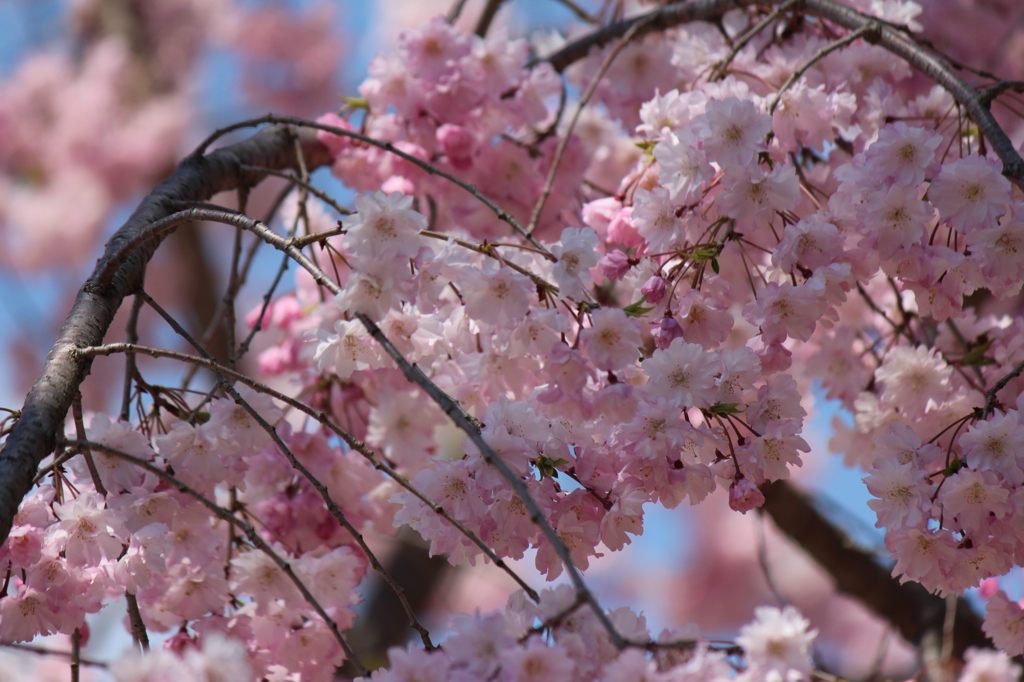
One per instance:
(909, 607)
(47, 403)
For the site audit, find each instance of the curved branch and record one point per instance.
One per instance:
(47, 403)
(889, 37)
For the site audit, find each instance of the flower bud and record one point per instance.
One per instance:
(654, 289)
(744, 496)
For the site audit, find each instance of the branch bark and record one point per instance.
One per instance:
(915, 612)
(196, 179)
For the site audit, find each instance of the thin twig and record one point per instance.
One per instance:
(76, 654)
(43, 651)
(564, 142)
(138, 626)
(990, 93)
(132, 333)
(455, 11)
(90, 463)
(267, 297)
(581, 14)
(947, 631)
(227, 301)
(990, 395)
(430, 168)
(489, 251)
(743, 40)
(250, 533)
(318, 193)
(762, 559)
(866, 31)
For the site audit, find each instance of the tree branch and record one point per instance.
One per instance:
(914, 611)
(889, 37)
(47, 403)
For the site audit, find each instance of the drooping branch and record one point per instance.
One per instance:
(47, 403)
(891, 38)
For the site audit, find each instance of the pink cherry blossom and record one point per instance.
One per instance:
(744, 496)
(989, 665)
(1004, 623)
(612, 340)
(384, 226)
(778, 645)
(970, 193)
(734, 131)
(682, 373)
(682, 167)
(576, 255)
(914, 378)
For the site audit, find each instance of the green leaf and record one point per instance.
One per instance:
(725, 408)
(703, 253)
(714, 265)
(976, 356)
(637, 309)
(356, 102)
(646, 145)
(549, 467)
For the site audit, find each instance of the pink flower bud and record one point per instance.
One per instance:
(775, 358)
(335, 143)
(180, 643)
(667, 331)
(287, 310)
(614, 265)
(654, 288)
(989, 586)
(599, 213)
(621, 229)
(407, 169)
(397, 183)
(744, 496)
(457, 144)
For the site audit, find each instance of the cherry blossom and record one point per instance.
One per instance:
(778, 645)
(682, 373)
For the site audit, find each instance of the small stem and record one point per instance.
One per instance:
(76, 655)
(90, 463)
(138, 626)
(866, 30)
(564, 142)
(247, 529)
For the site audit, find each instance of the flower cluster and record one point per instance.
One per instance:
(74, 550)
